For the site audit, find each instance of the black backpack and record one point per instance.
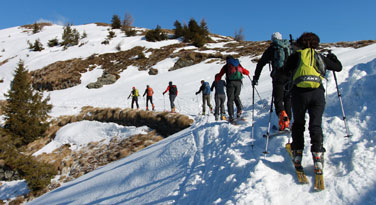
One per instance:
(173, 90)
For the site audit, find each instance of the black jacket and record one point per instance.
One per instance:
(268, 56)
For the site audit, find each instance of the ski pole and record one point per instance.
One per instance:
(269, 123)
(262, 100)
(164, 103)
(253, 115)
(341, 103)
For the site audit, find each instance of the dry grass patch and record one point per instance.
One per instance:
(40, 25)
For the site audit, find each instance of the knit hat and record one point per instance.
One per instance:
(277, 35)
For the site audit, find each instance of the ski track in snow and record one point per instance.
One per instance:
(212, 162)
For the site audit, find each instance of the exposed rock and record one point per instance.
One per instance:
(105, 79)
(8, 174)
(153, 71)
(181, 63)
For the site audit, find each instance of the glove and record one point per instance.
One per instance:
(163, 93)
(254, 82)
(196, 93)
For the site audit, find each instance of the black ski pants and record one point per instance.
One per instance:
(313, 101)
(149, 98)
(233, 89)
(135, 100)
(282, 100)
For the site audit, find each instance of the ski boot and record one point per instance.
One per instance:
(216, 117)
(238, 113)
(284, 122)
(318, 161)
(297, 156)
(223, 117)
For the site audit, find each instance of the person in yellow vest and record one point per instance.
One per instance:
(134, 94)
(308, 68)
(149, 97)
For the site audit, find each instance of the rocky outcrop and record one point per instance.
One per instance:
(7, 173)
(165, 123)
(72, 164)
(105, 79)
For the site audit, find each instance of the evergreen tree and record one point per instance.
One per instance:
(115, 22)
(179, 30)
(204, 30)
(156, 35)
(36, 28)
(53, 42)
(70, 36)
(26, 111)
(38, 46)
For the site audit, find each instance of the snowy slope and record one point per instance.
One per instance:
(213, 162)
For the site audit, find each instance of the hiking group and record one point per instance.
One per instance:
(297, 71)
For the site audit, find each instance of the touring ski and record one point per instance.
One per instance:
(319, 182)
(279, 132)
(318, 158)
(302, 178)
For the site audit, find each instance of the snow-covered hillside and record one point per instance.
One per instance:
(212, 162)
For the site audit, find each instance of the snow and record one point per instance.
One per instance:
(80, 134)
(210, 162)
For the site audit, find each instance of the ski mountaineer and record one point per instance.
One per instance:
(276, 54)
(134, 94)
(234, 75)
(308, 70)
(173, 92)
(205, 89)
(149, 97)
(219, 97)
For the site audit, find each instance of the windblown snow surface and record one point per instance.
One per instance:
(211, 162)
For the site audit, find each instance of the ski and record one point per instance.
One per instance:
(319, 182)
(302, 178)
(238, 121)
(280, 132)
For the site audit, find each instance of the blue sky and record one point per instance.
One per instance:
(332, 20)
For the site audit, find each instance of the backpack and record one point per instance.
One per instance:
(206, 90)
(234, 70)
(173, 90)
(282, 50)
(150, 91)
(311, 69)
(135, 93)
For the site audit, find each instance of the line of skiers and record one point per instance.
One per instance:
(172, 89)
(297, 72)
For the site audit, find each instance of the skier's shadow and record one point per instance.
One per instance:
(284, 167)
